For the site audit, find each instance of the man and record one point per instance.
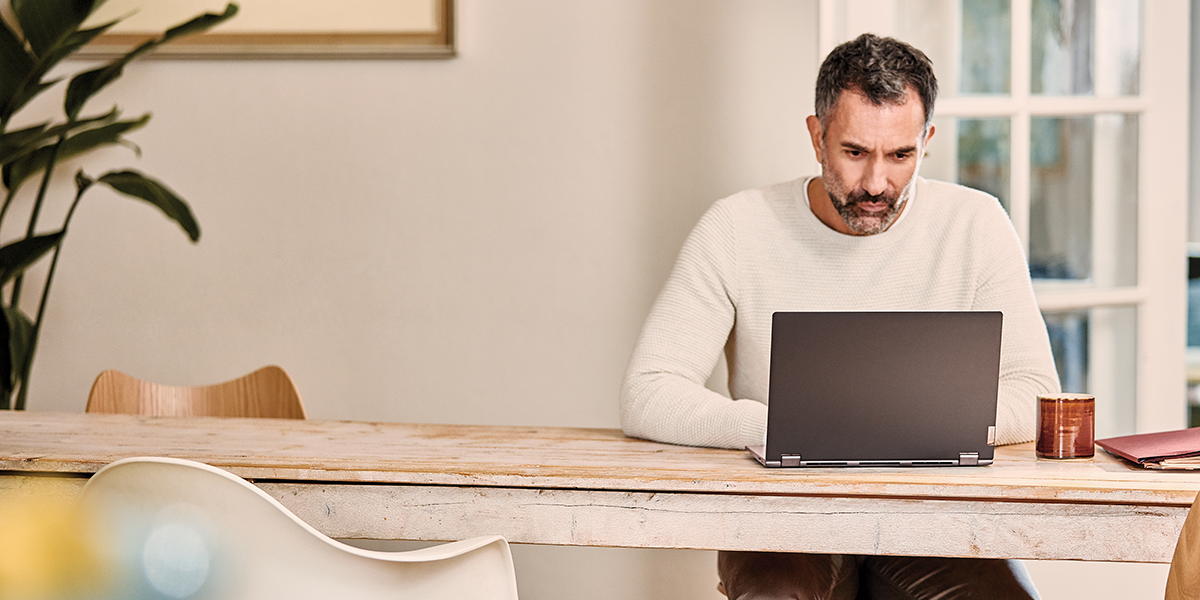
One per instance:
(868, 234)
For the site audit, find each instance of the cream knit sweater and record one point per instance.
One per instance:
(763, 251)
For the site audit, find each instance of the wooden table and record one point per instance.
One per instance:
(597, 487)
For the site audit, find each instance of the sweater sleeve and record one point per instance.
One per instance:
(1026, 362)
(663, 397)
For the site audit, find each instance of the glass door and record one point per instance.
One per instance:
(1063, 110)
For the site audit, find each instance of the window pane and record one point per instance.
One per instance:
(973, 152)
(1193, 336)
(1095, 352)
(1068, 340)
(983, 156)
(969, 41)
(1083, 199)
(1085, 47)
(931, 25)
(987, 47)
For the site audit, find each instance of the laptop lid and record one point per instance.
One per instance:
(882, 389)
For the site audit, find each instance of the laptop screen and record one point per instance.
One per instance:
(883, 388)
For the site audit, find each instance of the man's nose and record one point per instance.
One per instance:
(875, 178)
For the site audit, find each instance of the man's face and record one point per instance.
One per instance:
(869, 157)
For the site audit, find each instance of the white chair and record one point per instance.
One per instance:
(185, 530)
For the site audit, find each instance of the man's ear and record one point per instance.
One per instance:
(818, 136)
(929, 136)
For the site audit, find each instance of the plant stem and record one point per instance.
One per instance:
(33, 337)
(37, 322)
(6, 395)
(8, 200)
(33, 217)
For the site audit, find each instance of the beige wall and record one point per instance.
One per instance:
(473, 241)
(470, 241)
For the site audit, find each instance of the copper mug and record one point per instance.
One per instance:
(1066, 426)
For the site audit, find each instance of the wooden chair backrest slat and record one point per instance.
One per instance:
(266, 393)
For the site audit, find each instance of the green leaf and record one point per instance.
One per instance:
(138, 185)
(18, 144)
(100, 136)
(199, 24)
(17, 172)
(74, 42)
(33, 84)
(28, 90)
(82, 183)
(22, 254)
(15, 67)
(15, 144)
(46, 23)
(16, 336)
(84, 123)
(85, 85)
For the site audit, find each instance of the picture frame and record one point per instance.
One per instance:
(284, 29)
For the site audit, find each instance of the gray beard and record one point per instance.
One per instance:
(862, 222)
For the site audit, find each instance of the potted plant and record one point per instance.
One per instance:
(35, 36)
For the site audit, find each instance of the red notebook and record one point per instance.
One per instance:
(1163, 450)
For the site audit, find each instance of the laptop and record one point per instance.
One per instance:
(870, 389)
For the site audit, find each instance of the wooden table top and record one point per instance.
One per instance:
(546, 458)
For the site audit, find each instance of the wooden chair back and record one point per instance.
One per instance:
(1183, 581)
(268, 392)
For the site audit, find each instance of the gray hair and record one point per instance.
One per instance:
(880, 68)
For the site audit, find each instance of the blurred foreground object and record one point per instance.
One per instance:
(189, 530)
(50, 549)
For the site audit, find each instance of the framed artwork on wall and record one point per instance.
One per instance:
(284, 29)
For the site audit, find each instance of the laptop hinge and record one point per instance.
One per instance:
(968, 458)
(790, 460)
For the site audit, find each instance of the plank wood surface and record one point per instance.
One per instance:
(578, 486)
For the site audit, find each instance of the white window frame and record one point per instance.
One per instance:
(1161, 290)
